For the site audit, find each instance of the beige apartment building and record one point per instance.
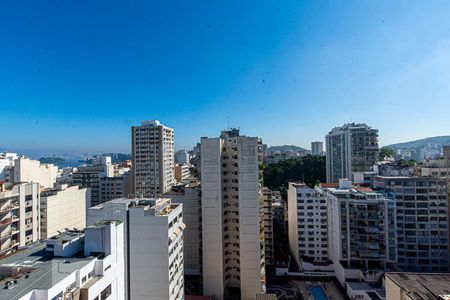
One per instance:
(63, 207)
(232, 229)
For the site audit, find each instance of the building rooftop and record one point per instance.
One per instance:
(422, 286)
(34, 268)
(160, 206)
(351, 126)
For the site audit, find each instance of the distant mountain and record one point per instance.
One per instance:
(439, 141)
(287, 148)
(52, 160)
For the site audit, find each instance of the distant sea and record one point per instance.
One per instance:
(69, 163)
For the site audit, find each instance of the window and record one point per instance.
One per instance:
(105, 293)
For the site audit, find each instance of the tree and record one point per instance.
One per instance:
(387, 152)
(309, 169)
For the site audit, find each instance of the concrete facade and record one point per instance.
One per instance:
(317, 148)
(267, 217)
(350, 148)
(6, 163)
(153, 245)
(362, 238)
(63, 207)
(422, 221)
(182, 172)
(307, 215)
(189, 195)
(153, 158)
(51, 270)
(233, 238)
(182, 157)
(28, 170)
(19, 216)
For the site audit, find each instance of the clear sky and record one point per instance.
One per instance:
(75, 75)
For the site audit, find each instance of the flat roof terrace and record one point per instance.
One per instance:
(35, 269)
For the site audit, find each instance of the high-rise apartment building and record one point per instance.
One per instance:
(316, 148)
(153, 245)
(350, 148)
(19, 215)
(422, 221)
(63, 207)
(189, 195)
(232, 231)
(307, 214)
(267, 218)
(153, 158)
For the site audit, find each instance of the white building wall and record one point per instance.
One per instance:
(293, 223)
(6, 161)
(232, 230)
(189, 197)
(65, 208)
(155, 265)
(27, 170)
(212, 217)
(102, 278)
(249, 223)
(153, 158)
(307, 211)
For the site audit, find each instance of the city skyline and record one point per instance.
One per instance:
(76, 82)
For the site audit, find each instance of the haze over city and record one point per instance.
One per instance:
(74, 80)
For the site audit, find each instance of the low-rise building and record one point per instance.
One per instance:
(417, 286)
(63, 207)
(19, 216)
(72, 265)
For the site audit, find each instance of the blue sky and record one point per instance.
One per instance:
(75, 75)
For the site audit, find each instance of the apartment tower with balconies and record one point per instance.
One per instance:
(232, 229)
(153, 159)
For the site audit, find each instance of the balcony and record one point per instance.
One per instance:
(8, 208)
(5, 222)
(6, 234)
